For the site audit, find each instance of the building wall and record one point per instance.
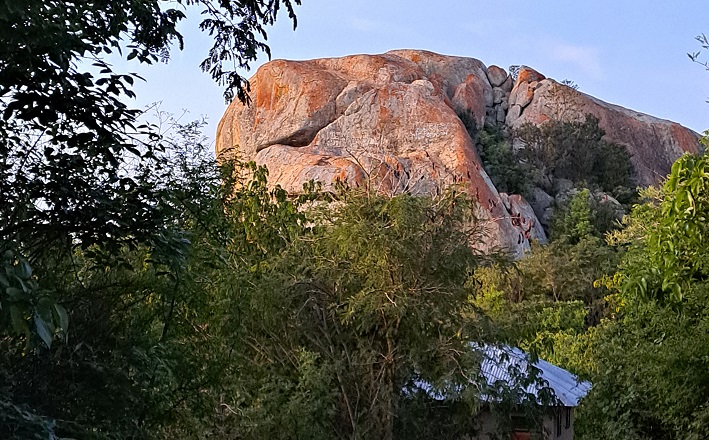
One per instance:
(550, 425)
(488, 426)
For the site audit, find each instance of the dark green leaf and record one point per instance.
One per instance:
(43, 330)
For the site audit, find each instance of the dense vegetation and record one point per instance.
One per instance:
(620, 304)
(147, 292)
(575, 150)
(78, 167)
(638, 332)
(252, 315)
(570, 150)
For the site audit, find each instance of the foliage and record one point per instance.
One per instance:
(549, 302)
(555, 150)
(514, 71)
(566, 268)
(368, 300)
(68, 144)
(650, 382)
(570, 83)
(557, 272)
(502, 164)
(556, 331)
(77, 167)
(704, 43)
(583, 215)
(204, 302)
(575, 223)
(673, 257)
(340, 330)
(24, 307)
(576, 151)
(148, 319)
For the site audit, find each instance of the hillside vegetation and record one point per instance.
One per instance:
(251, 314)
(148, 291)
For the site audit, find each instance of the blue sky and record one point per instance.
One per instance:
(628, 52)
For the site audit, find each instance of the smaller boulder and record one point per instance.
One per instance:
(513, 114)
(522, 95)
(500, 115)
(496, 75)
(498, 95)
(508, 85)
(610, 201)
(540, 201)
(562, 186)
(523, 218)
(527, 75)
(545, 183)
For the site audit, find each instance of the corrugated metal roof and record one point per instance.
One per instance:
(506, 364)
(509, 367)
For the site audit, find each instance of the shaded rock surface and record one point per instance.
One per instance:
(401, 121)
(541, 204)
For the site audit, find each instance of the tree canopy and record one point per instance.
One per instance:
(78, 166)
(650, 381)
(68, 142)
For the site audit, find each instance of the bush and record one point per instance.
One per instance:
(582, 215)
(502, 164)
(576, 151)
(555, 150)
(499, 160)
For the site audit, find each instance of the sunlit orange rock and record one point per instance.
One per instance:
(654, 144)
(400, 121)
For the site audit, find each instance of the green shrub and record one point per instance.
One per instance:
(502, 164)
(582, 216)
(499, 160)
(554, 150)
(576, 151)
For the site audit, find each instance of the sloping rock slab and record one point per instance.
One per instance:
(654, 144)
(389, 121)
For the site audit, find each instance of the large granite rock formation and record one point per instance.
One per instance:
(654, 144)
(396, 121)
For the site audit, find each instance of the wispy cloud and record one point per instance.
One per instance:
(364, 24)
(369, 26)
(585, 58)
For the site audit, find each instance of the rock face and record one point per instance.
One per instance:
(401, 121)
(654, 144)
